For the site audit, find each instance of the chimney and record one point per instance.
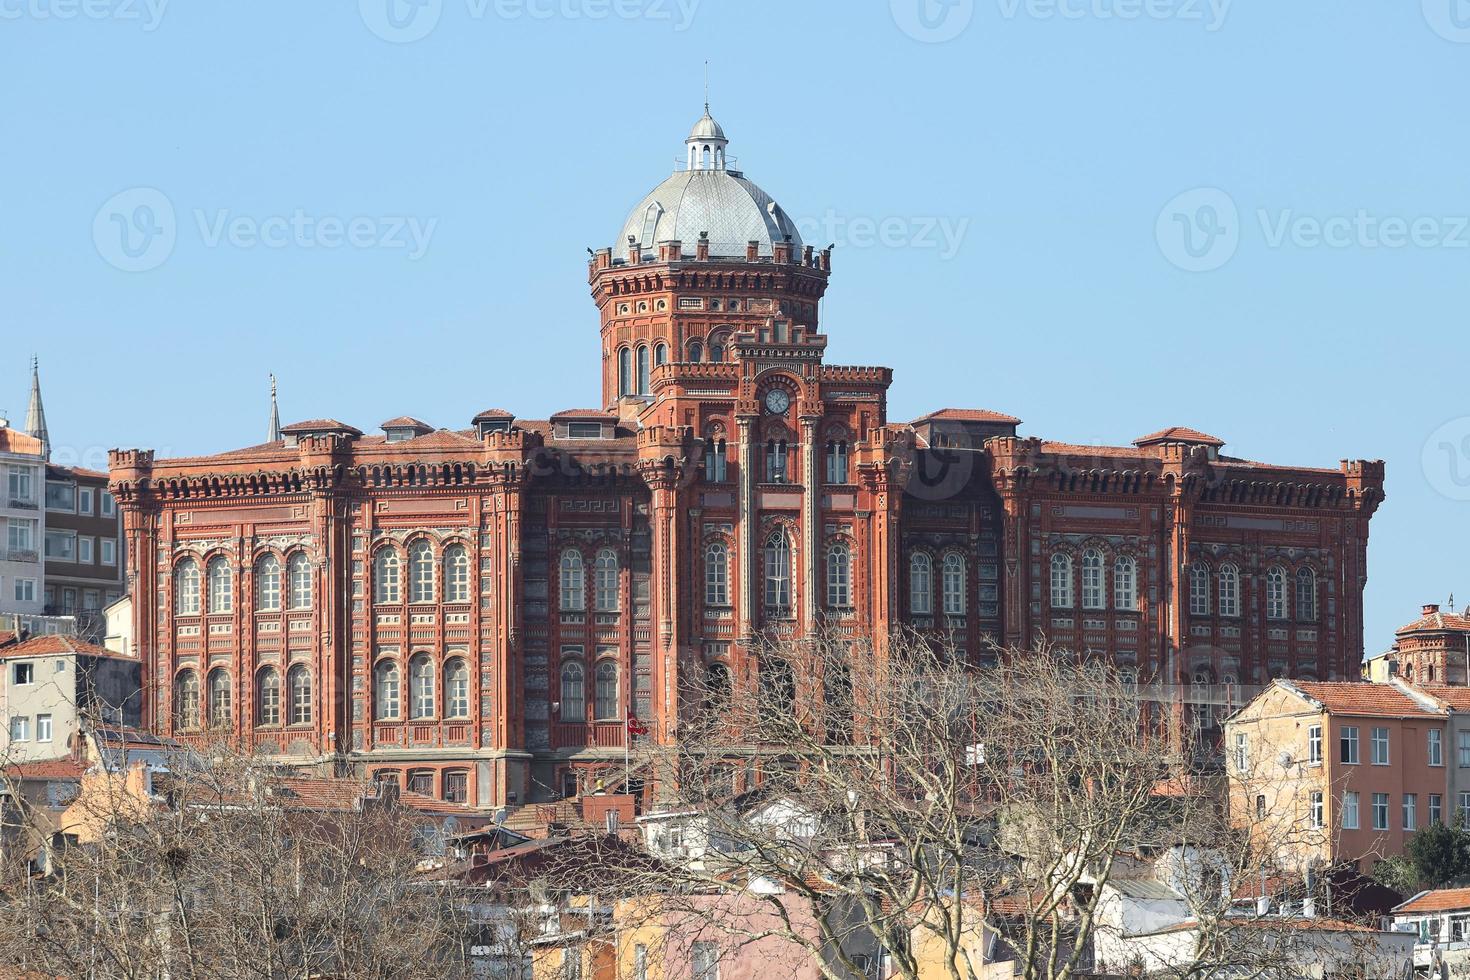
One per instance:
(781, 251)
(752, 251)
(701, 248)
(635, 254)
(1430, 608)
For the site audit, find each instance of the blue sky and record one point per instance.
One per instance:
(1104, 216)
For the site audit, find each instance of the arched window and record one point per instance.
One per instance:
(625, 371)
(1229, 590)
(661, 354)
(1125, 583)
(421, 572)
(921, 584)
(268, 584)
(298, 573)
(1092, 580)
(953, 573)
(778, 574)
(457, 688)
(573, 582)
(217, 576)
(186, 700)
(456, 574)
(776, 461)
(387, 691)
(1276, 592)
(837, 461)
(386, 586)
(716, 353)
(219, 698)
(298, 679)
(1306, 595)
(714, 460)
(605, 581)
(839, 577)
(777, 694)
(186, 588)
(1199, 589)
(1061, 581)
(717, 687)
(605, 700)
(573, 692)
(421, 686)
(643, 370)
(696, 352)
(268, 697)
(717, 574)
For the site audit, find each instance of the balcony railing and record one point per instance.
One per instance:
(20, 503)
(12, 554)
(601, 735)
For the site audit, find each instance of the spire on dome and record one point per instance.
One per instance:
(275, 435)
(36, 413)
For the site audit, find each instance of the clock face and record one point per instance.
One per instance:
(777, 401)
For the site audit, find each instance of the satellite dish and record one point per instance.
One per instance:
(1284, 758)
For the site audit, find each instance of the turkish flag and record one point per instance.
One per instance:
(636, 727)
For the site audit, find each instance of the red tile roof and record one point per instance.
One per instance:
(1437, 620)
(45, 769)
(1273, 923)
(1439, 900)
(1179, 433)
(51, 644)
(6, 637)
(967, 415)
(1077, 449)
(1456, 697)
(591, 414)
(493, 413)
(54, 470)
(322, 793)
(406, 422)
(318, 425)
(1361, 698)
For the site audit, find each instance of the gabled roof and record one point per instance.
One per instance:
(1361, 698)
(1438, 900)
(1434, 619)
(1179, 433)
(52, 644)
(1457, 698)
(491, 414)
(407, 422)
(318, 425)
(53, 469)
(967, 415)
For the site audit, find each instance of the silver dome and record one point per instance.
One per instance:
(706, 128)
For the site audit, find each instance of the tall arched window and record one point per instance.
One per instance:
(1306, 595)
(268, 697)
(839, 577)
(217, 576)
(1092, 580)
(1199, 589)
(387, 691)
(837, 461)
(573, 582)
(625, 371)
(605, 581)
(717, 687)
(696, 352)
(386, 583)
(573, 692)
(954, 584)
(716, 352)
(456, 574)
(186, 588)
(219, 698)
(714, 460)
(775, 460)
(298, 680)
(717, 574)
(1276, 592)
(643, 370)
(298, 574)
(186, 700)
(457, 688)
(268, 584)
(421, 572)
(421, 686)
(1229, 590)
(661, 354)
(1125, 583)
(921, 584)
(778, 574)
(1061, 581)
(605, 700)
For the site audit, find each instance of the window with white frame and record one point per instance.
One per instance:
(1276, 592)
(186, 588)
(1125, 583)
(421, 572)
(1464, 807)
(921, 584)
(298, 679)
(1436, 808)
(1347, 744)
(298, 577)
(705, 960)
(220, 705)
(605, 581)
(25, 589)
(1314, 745)
(387, 691)
(1306, 595)
(714, 460)
(1229, 590)
(456, 574)
(268, 584)
(837, 461)
(717, 574)
(21, 484)
(1061, 581)
(387, 581)
(1379, 742)
(776, 461)
(954, 584)
(573, 692)
(20, 536)
(605, 690)
(1436, 747)
(1092, 580)
(573, 589)
(108, 550)
(1411, 811)
(1350, 810)
(1199, 589)
(220, 581)
(421, 686)
(84, 501)
(839, 576)
(61, 545)
(268, 697)
(778, 574)
(23, 673)
(1462, 746)
(1380, 811)
(457, 688)
(1242, 752)
(20, 728)
(1317, 815)
(84, 549)
(43, 728)
(109, 504)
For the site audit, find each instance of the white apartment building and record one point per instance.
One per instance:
(22, 521)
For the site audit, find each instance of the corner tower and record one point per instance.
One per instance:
(705, 258)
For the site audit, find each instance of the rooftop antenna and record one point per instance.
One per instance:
(706, 86)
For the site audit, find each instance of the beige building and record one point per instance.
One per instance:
(50, 683)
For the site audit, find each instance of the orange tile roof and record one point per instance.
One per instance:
(406, 422)
(1439, 900)
(493, 413)
(319, 425)
(584, 413)
(967, 415)
(6, 637)
(1456, 697)
(1179, 433)
(16, 441)
(1361, 698)
(1437, 621)
(1077, 449)
(51, 644)
(1272, 923)
(45, 769)
(53, 469)
(320, 792)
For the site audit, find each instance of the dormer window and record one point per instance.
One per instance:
(498, 425)
(584, 430)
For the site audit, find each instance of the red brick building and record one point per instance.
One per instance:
(479, 608)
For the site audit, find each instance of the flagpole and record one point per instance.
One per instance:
(627, 737)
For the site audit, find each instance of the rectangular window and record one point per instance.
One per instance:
(61, 497)
(1314, 745)
(1350, 810)
(21, 486)
(1347, 743)
(84, 550)
(20, 729)
(1463, 744)
(25, 590)
(1436, 747)
(1380, 811)
(109, 551)
(1380, 746)
(1317, 814)
(1261, 806)
(456, 787)
(1242, 752)
(640, 962)
(705, 958)
(1436, 808)
(23, 673)
(84, 501)
(109, 505)
(20, 536)
(584, 430)
(43, 728)
(1464, 803)
(61, 545)
(1411, 811)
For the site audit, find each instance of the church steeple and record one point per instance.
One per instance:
(275, 434)
(36, 413)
